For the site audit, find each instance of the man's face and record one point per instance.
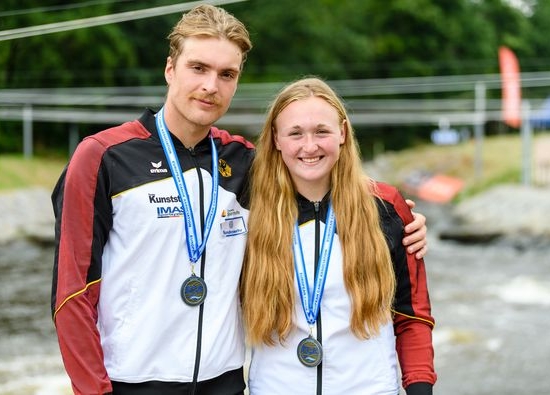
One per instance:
(202, 82)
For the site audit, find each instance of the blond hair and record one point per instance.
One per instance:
(209, 21)
(267, 286)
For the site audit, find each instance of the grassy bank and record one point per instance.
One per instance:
(501, 163)
(17, 172)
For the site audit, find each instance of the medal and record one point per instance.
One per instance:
(310, 352)
(193, 291)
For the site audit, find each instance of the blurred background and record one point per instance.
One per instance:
(449, 101)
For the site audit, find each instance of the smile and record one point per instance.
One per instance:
(311, 160)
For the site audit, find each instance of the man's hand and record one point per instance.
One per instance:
(416, 231)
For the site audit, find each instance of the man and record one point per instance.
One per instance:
(151, 221)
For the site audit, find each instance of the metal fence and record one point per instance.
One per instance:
(457, 101)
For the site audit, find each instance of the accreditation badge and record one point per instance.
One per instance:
(233, 226)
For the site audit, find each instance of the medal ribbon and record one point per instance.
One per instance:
(311, 303)
(194, 249)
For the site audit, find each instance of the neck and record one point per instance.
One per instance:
(188, 133)
(312, 192)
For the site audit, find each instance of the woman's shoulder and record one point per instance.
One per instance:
(393, 201)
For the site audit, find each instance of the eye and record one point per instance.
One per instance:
(197, 68)
(229, 75)
(294, 133)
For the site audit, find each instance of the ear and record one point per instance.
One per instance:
(169, 70)
(343, 131)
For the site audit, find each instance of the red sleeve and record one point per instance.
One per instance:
(82, 206)
(413, 321)
(80, 344)
(76, 280)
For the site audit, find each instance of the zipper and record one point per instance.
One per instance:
(203, 264)
(317, 207)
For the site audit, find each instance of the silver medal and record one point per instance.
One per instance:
(193, 291)
(310, 352)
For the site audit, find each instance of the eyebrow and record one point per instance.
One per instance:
(299, 127)
(191, 62)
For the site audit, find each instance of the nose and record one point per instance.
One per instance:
(210, 83)
(310, 145)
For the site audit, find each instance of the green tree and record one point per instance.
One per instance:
(82, 57)
(334, 39)
(427, 37)
(536, 51)
(379, 38)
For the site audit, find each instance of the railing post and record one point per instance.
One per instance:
(27, 131)
(478, 129)
(526, 143)
(73, 138)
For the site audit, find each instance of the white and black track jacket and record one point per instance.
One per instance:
(121, 257)
(350, 365)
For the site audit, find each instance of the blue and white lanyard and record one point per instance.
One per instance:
(311, 303)
(194, 249)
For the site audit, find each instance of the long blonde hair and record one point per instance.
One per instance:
(267, 284)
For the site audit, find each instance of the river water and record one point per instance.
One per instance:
(491, 303)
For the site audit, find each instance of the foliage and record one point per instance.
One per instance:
(332, 38)
(352, 39)
(81, 57)
(378, 39)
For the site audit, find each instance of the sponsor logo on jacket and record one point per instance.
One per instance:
(169, 206)
(157, 167)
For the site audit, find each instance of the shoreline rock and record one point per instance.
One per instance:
(505, 210)
(469, 234)
(26, 214)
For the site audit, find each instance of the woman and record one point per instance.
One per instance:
(331, 299)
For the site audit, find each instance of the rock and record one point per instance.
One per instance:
(508, 211)
(26, 213)
(469, 234)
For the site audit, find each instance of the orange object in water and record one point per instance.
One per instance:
(439, 188)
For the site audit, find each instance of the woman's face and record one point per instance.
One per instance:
(308, 132)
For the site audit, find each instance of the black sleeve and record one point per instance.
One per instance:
(419, 389)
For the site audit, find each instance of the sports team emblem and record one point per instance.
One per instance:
(224, 168)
